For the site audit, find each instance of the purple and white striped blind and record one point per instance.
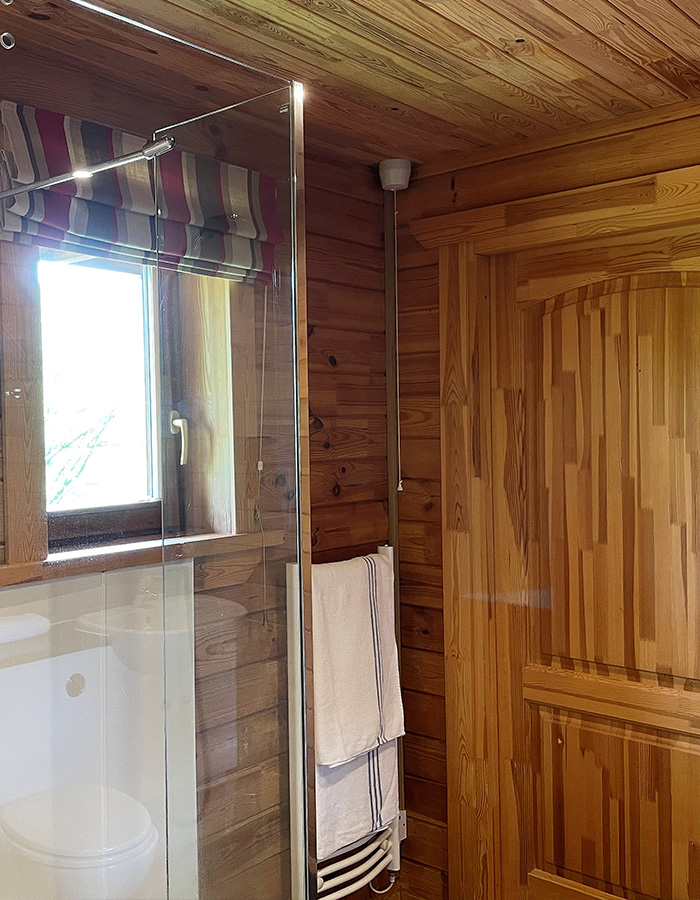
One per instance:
(216, 219)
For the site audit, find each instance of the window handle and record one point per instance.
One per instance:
(180, 426)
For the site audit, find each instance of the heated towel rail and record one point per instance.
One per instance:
(338, 878)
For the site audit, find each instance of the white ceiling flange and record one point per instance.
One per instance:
(395, 174)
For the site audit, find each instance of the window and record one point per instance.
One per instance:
(99, 400)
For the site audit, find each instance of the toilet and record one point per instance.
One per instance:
(80, 842)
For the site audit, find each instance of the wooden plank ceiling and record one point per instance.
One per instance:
(424, 78)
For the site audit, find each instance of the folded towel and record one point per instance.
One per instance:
(357, 695)
(356, 799)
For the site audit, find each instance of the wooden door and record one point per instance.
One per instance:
(597, 452)
(571, 479)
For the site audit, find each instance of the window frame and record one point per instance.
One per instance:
(96, 526)
(25, 538)
(70, 529)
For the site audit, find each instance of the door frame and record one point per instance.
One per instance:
(649, 223)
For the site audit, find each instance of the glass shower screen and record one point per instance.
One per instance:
(229, 482)
(149, 588)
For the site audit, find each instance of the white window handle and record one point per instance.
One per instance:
(181, 426)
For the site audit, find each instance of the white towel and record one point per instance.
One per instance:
(356, 799)
(357, 695)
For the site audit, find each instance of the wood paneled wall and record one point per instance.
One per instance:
(347, 365)
(424, 866)
(242, 735)
(240, 660)
(347, 392)
(348, 463)
(347, 362)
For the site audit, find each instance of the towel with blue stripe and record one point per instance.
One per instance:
(356, 799)
(357, 700)
(357, 694)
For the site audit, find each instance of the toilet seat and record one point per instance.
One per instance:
(79, 825)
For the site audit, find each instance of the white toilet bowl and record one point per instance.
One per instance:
(80, 842)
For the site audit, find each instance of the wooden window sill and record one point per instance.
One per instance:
(138, 553)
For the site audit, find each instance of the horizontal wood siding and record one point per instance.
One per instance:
(347, 364)
(590, 156)
(348, 469)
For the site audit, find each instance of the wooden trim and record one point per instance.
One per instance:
(26, 533)
(647, 705)
(516, 635)
(543, 886)
(141, 553)
(553, 275)
(210, 395)
(302, 732)
(245, 403)
(470, 687)
(618, 207)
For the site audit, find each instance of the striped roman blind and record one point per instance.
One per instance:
(216, 219)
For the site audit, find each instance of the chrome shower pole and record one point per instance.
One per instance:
(148, 151)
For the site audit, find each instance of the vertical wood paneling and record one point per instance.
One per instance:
(25, 533)
(424, 870)
(470, 691)
(515, 576)
(620, 443)
(632, 826)
(593, 496)
(594, 517)
(246, 404)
